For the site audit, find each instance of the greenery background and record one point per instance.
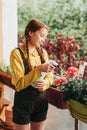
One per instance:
(62, 16)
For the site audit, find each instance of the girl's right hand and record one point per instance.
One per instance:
(46, 67)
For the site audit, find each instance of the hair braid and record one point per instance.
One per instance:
(40, 52)
(28, 59)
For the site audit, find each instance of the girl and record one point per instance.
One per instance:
(28, 63)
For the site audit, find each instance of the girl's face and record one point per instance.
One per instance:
(37, 38)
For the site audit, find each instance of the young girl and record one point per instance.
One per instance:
(30, 102)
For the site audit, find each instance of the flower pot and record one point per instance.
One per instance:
(77, 110)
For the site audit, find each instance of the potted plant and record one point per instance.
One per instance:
(74, 94)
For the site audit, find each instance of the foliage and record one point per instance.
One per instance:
(6, 69)
(65, 51)
(75, 89)
(62, 16)
(65, 17)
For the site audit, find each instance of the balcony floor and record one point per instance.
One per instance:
(60, 119)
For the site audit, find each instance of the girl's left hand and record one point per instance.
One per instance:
(40, 84)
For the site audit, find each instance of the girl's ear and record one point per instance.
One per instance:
(30, 33)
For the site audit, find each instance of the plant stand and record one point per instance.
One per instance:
(76, 124)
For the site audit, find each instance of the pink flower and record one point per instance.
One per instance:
(71, 72)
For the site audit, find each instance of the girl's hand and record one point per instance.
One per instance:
(46, 67)
(39, 83)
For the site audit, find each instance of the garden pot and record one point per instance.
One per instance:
(5, 78)
(77, 110)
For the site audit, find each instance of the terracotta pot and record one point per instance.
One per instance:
(5, 78)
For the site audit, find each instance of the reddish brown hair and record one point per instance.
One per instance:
(33, 26)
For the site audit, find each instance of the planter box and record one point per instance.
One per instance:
(55, 98)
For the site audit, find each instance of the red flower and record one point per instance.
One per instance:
(60, 80)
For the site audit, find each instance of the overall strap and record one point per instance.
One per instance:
(24, 61)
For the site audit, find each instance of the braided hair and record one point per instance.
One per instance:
(33, 26)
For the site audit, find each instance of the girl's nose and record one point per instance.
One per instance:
(43, 40)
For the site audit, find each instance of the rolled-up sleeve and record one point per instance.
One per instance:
(19, 80)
